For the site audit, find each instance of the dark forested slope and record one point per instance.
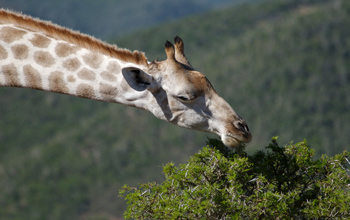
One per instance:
(106, 19)
(283, 66)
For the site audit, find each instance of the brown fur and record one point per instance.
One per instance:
(108, 92)
(11, 75)
(44, 58)
(64, 49)
(74, 37)
(10, 34)
(20, 51)
(71, 78)
(108, 76)
(40, 41)
(86, 91)
(199, 82)
(32, 77)
(86, 74)
(57, 82)
(72, 64)
(3, 53)
(93, 60)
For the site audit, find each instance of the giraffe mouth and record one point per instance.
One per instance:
(231, 140)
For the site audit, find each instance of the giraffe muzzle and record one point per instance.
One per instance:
(242, 126)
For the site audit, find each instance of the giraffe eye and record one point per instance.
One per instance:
(186, 98)
(183, 98)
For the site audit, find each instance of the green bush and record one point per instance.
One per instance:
(220, 183)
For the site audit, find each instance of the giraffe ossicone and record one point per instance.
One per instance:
(40, 55)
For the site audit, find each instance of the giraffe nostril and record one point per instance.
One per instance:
(246, 127)
(242, 126)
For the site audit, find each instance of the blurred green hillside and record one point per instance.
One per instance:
(282, 65)
(106, 18)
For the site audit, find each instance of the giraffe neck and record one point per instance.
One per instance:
(34, 60)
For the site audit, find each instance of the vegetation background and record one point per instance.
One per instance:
(282, 65)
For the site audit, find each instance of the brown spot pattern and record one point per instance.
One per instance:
(124, 85)
(44, 58)
(85, 91)
(94, 60)
(57, 83)
(113, 67)
(108, 76)
(10, 34)
(73, 37)
(200, 84)
(65, 49)
(3, 53)
(32, 77)
(20, 51)
(86, 74)
(40, 41)
(71, 78)
(11, 75)
(108, 92)
(72, 64)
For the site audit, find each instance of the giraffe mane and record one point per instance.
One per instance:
(71, 36)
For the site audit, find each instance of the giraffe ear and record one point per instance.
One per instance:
(139, 80)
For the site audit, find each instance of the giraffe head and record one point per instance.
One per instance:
(179, 94)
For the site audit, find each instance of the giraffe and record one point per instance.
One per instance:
(40, 55)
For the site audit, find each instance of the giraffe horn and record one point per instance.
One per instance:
(180, 52)
(170, 51)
